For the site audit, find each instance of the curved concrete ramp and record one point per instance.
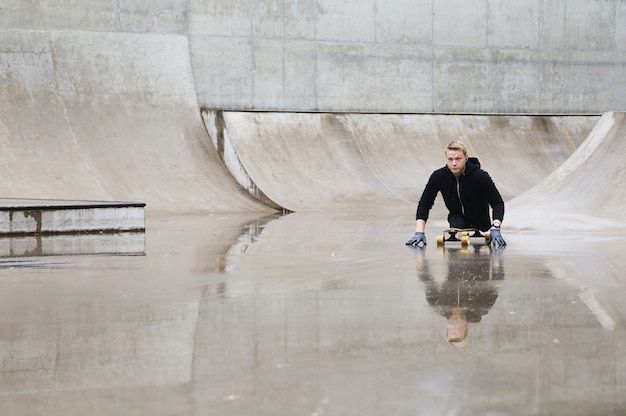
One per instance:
(114, 122)
(121, 122)
(308, 161)
(585, 192)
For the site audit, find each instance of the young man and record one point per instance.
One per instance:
(467, 191)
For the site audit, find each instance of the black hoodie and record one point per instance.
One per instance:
(476, 190)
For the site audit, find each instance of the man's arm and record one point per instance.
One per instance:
(497, 207)
(427, 200)
(494, 198)
(423, 208)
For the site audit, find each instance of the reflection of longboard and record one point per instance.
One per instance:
(461, 234)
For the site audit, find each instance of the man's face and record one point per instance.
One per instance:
(455, 160)
(456, 328)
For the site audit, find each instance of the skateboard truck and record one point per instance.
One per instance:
(461, 234)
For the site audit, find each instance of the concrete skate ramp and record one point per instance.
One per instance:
(116, 121)
(120, 122)
(585, 192)
(308, 161)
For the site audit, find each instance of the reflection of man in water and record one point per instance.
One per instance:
(467, 293)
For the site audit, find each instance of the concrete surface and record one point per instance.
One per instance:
(122, 126)
(393, 56)
(306, 161)
(399, 56)
(586, 191)
(326, 311)
(24, 250)
(39, 217)
(315, 313)
(227, 307)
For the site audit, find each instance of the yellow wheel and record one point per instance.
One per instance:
(487, 236)
(465, 240)
(439, 240)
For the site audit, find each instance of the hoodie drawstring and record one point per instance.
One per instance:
(458, 192)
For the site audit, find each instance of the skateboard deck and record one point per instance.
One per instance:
(462, 235)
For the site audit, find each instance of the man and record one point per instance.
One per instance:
(467, 191)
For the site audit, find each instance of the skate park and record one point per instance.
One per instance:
(272, 153)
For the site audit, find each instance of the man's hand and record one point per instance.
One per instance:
(495, 238)
(417, 238)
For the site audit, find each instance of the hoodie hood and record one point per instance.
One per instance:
(473, 160)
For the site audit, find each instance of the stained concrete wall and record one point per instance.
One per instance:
(471, 56)
(467, 56)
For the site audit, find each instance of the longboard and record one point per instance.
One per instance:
(465, 234)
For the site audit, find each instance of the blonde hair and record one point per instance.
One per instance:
(456, 145)
(457, 342)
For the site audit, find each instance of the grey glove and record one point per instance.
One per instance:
(495, 238)
(417, 238)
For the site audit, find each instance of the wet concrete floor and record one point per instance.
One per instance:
(316, 314)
